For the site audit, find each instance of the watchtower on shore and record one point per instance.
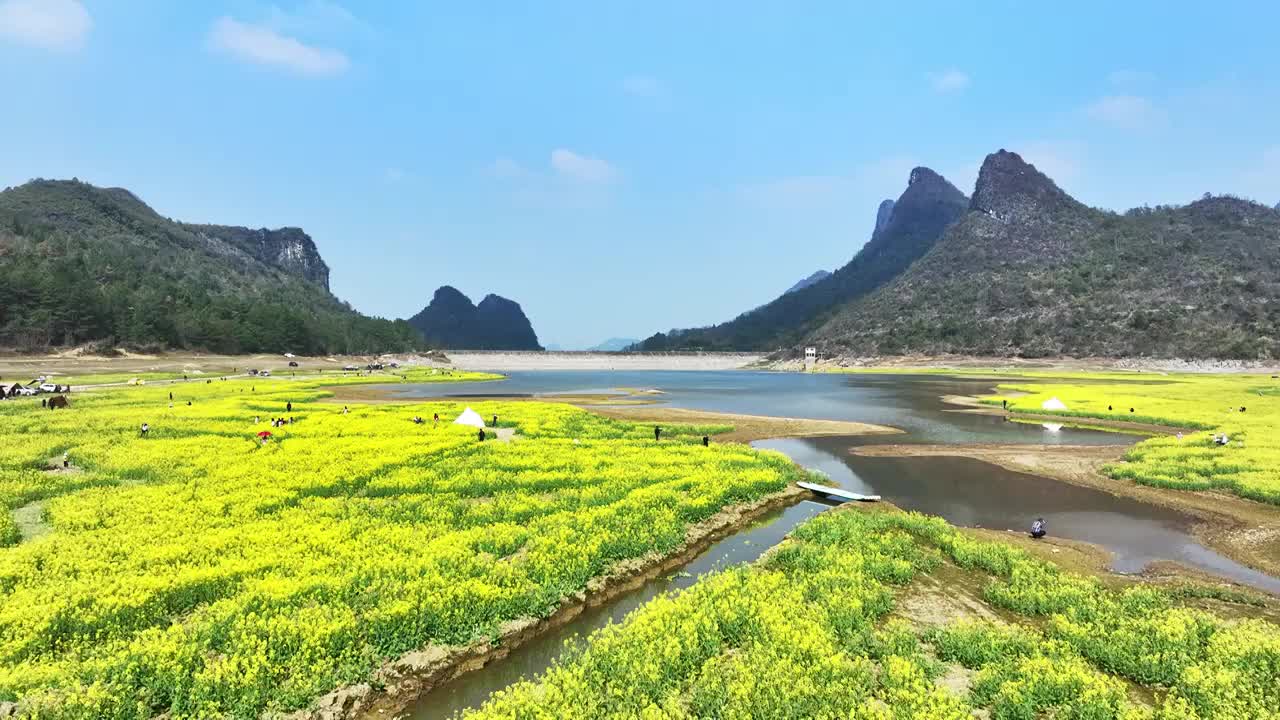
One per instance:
(810, 357)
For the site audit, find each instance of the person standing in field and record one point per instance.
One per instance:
(706, 441)
(145, 429)
(495, 420)
(288, 407)
(481, 434)
(66, 460)
(435, 418)
(657, 433)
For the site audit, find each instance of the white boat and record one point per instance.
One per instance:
(837, 493)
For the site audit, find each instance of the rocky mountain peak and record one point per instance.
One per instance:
(448, 295)
(1010, 188)
(452, 321)
(883, 213)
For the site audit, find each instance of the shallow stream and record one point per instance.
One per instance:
(964, 491)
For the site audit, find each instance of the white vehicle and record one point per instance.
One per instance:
(27, 391)
(48, 387)
(265, 373)
(350, 367)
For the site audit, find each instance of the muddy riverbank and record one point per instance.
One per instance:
(746, 428)
(1244, 531)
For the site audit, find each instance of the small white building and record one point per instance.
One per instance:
(810, 357)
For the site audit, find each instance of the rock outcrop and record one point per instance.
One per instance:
(288, 249)
(883, 213)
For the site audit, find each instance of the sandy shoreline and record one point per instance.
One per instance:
(746, 428)
(503, 361)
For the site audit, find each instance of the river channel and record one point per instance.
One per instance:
(964, 491)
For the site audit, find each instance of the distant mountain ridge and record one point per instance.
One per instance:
(452, 322)
(905, 230)
(88, 264)
(814, 278)
(1029, 271)
(614, 345)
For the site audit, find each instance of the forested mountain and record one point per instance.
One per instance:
(905, 231)
(1030, 271)
(80, 264)
(451, 321)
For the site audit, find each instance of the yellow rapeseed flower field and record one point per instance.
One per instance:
(1243, 407)
(199, 572)
(809, 632)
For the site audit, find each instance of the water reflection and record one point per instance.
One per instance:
(977, 494)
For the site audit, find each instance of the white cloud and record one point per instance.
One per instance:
(49, 24)
(949, 81)
(1127, 112)
(644, 86)
(583, 168)
(265, 46)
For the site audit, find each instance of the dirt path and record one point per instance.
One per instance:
(746, 427)
(1245, 531)
(30, 521)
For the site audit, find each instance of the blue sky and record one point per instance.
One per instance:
(622, 167)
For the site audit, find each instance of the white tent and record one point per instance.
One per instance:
(1053, 403)
(470, 417)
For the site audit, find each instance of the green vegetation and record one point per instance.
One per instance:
(1030, 272)
(200, 572)
(810, 631)
(1207, 405)
(83, 264)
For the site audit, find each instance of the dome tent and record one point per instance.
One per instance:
(1053, 403)
(470, 417)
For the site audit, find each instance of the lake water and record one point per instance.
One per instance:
(908, 402)
(964, 491)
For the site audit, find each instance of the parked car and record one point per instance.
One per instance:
(293, 363)
(265, 373)
(48, 387)
(350, 367)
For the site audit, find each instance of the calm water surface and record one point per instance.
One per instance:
(964, 491)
